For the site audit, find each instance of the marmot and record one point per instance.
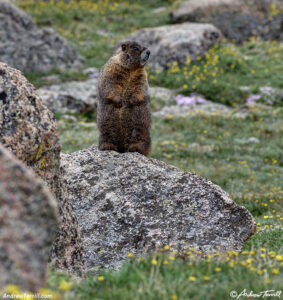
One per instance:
(123, 114)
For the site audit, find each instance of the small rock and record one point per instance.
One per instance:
(158, 10)
(200, 148)
(71, 118)
(51, 78)
(245, 88)
(253, 140)
(92, 72)
(166, 95)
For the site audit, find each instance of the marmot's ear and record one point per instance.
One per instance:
(123, 46)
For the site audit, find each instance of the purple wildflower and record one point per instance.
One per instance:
(253, 98)
(191, 100)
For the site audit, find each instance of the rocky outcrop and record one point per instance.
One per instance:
(127, 203)
(28, 224)
(29, 49)
(29, 130)
(177, 43)
(237, 19)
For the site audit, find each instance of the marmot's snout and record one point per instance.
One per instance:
(145, 56)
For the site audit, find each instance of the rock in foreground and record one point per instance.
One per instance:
(29, 130)
(28, 224)
(127, 203)
(29, 49)
(177, 43)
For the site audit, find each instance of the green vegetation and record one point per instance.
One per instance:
(214, 146)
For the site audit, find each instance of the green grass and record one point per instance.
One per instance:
(162, 276)
(213, 146)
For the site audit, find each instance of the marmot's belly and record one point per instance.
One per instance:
(120, 125)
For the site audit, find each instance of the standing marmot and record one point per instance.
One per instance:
(123, 115)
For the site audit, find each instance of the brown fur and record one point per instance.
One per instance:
(123, 115)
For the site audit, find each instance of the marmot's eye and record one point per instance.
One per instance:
(135, 48)
(123, 47)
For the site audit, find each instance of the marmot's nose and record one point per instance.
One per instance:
(147, 52)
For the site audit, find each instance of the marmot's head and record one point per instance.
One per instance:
(132, 54)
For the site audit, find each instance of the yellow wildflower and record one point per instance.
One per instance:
(64, 285)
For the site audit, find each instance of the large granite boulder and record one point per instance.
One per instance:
(128, 203)
(29, 49)
(237, 19)
(29, 130)
(28, 224)
(177, 43)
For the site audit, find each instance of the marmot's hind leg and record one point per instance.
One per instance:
(140, 147)
(104, 145)
(140, 141)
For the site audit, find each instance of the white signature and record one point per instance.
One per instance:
(263, 294)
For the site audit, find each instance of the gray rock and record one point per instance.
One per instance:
(177, 42)
(92, 72)
(51, 78)
(253, 140)
(237, 19)
(201, 10)
(25, 47)
(159, 10)
(73, 97)
(209, 108)
(29, 130)
(267, 95)
(28, 224)
(165, 95)
(127, 203)
(241, 27)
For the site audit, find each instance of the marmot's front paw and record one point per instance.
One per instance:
(135, 101)
(117, 102)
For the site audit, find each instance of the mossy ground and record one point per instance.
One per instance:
(252, 172)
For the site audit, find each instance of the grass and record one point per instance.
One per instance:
(163, 276)
(216, 147)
